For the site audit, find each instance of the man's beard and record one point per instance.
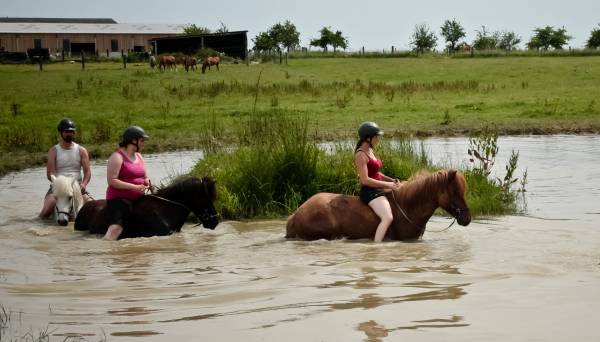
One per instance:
(68, 138)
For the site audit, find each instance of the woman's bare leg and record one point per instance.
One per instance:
(113, 232)
(381, 207)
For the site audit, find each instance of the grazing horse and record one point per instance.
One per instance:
(210, 61)
(162, 213)
(152, 62)
(167, 61)
(332, 216)
(68, 198)
(190, 63)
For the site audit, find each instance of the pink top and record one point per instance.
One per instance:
(130, 172)
(373, 167)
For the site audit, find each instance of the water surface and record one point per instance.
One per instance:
(532, 277)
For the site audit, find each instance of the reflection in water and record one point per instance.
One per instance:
(244, 281)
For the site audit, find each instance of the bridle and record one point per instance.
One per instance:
(205, 216)
(68, 213)
(458, 212)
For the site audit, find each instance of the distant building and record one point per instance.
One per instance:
(233, 44)
(100, 36)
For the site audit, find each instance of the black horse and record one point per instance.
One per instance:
(162, 213)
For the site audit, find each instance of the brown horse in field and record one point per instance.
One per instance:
(190, 63)
(167, 61)
(210, 61)
(332, 216)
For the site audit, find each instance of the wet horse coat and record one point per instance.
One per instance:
(161, 214)
(332, 216)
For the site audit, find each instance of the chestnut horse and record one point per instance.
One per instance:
(167, 62)
(157, 214)
(332, 216)
(209, 61)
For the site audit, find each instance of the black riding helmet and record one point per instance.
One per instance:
(66, 124)
(368, 130)
(131, 133)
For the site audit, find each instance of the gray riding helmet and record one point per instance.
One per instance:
(133, 132)
(369, 129)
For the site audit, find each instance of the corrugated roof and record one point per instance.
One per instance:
(90, 28)
(58, 20)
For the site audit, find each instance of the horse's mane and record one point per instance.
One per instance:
(425, 182)
(205, 183)
(62, 186)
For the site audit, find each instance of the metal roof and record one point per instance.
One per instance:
(90, 28)
(58, 20)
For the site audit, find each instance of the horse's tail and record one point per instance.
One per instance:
(290, 231)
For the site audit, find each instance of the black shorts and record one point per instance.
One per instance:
(119, 211)
(367, 194)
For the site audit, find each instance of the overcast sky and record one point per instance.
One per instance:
(373, 24)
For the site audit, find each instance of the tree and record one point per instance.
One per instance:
(423, 39)
(193, 30)
(486, 40)
(222, 29)
(508, 40)
(263, 42)
(546, 37)
(285, 36)
(452, 31)
(338, 40)
(594, 40)
(324, 40)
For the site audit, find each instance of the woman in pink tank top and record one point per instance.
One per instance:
(127, 179)
(372, 181)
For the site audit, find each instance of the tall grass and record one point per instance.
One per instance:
(277, 165)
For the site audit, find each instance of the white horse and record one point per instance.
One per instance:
(68, 198)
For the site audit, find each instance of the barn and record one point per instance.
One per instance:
(233, 44)
(99, 36)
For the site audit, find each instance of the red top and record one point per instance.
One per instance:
(373, 167)
(130, 172)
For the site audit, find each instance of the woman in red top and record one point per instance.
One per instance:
(127, 179)
(372, 181)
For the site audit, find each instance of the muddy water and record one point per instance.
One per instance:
(515, 278)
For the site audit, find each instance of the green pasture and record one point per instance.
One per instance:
(406, 96)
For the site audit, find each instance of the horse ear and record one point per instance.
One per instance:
(52, 178)
(451, 175)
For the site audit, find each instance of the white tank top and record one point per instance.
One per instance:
(68, 162)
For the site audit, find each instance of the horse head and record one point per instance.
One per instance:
(199, 196)
(68, 196)
(452, 197)
(209, 216)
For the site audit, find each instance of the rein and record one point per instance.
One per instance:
(411, 222)
(206, 218)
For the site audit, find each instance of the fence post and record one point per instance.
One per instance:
(82, 60)
(392, 49)
(40, 61)
(363, 50)
(124, 60)
(107, 55)
(63, 55)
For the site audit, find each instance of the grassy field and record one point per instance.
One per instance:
(406, 96)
